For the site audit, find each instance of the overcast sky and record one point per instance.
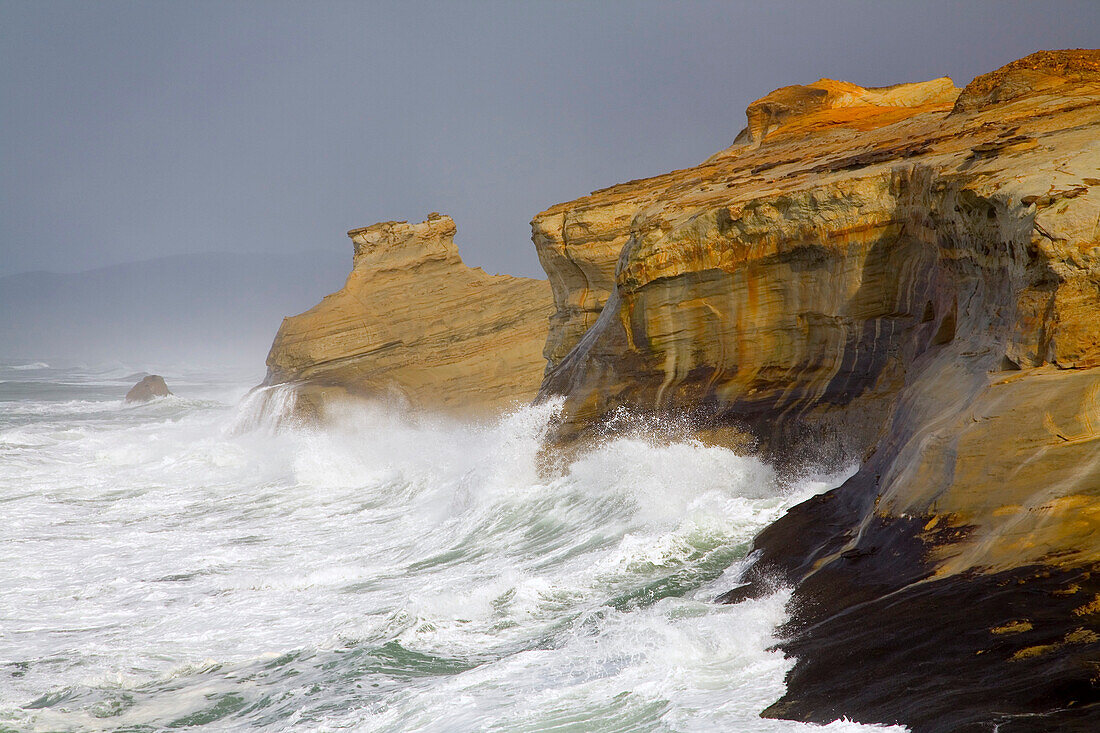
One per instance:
(134, 130)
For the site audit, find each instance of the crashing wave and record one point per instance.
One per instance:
(266, 409)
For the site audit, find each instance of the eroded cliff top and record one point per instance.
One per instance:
(401, 244)
(829, 102)
(830, 116)
(1042, 70)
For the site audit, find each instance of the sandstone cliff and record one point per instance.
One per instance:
(414, 323)
(909, 276)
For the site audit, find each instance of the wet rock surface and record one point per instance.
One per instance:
(149, 388)
(1013, 651)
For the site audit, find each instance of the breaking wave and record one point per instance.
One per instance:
(192, 563)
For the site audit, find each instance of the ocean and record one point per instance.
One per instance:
(199, 562)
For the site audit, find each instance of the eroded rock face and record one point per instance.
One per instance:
(149, 388)
(415, 324)
(904, 276)
(828, 101)
(808, 272)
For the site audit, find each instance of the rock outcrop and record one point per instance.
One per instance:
(416, 324)
(909, 277)
(149, 388)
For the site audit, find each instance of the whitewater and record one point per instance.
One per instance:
(199, 562)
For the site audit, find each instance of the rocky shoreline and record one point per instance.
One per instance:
(906, 276)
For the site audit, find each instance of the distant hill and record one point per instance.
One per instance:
(202, 309)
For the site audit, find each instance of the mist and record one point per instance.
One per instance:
(166, 314)
(241, 133)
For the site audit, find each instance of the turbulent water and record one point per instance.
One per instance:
(193, 563)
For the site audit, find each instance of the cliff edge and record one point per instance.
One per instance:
(908, 277)
(414, 323)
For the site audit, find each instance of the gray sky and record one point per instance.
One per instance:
(136, 130)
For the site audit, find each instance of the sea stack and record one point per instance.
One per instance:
(149, 388)
(415, 324)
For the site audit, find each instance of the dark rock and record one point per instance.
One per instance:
(149, 388)
(1014, 651)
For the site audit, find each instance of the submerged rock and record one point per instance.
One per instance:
(147, 389)
(415, 324)
(910, 278)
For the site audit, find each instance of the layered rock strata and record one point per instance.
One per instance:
(415, 324)
(908, 276)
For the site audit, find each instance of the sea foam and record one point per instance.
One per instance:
(195, 563)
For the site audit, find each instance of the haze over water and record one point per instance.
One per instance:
(186, 563)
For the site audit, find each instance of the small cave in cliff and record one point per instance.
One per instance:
(945, 334)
